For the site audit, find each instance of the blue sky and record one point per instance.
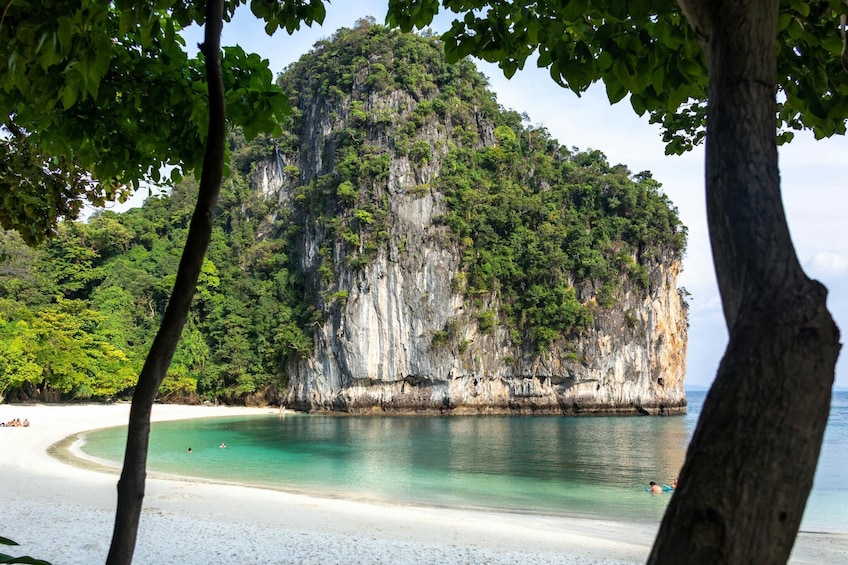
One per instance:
(813, 172)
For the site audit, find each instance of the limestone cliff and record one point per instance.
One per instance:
(401, 330)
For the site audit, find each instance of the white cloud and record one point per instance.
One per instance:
(827, 266)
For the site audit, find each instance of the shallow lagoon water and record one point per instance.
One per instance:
(584, 466)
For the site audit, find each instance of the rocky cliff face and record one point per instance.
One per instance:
(400, 335)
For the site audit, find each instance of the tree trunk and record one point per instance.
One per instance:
(750, 466)
(131, 483)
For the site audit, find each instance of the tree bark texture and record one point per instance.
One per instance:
(133, 474)
(751, 462)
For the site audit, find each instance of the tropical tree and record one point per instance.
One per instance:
(750, 465)
(66, 349)
(83, 118)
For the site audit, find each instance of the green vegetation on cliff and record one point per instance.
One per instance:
(534, 223)
(536, 220)
(532, 219)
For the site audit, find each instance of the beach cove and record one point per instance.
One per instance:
(64, 513)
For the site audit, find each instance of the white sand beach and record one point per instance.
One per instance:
(64, 513)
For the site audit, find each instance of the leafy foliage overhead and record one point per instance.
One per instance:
(647, 50)
(96, 99)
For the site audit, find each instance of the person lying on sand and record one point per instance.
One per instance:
(15, 423)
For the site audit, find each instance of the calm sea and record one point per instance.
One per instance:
(593, 466)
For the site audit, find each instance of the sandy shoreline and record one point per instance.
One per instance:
(64, 513)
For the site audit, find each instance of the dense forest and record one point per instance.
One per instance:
(531, 219)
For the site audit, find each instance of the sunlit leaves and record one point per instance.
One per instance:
(60, 346)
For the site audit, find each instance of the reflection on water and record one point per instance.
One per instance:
(593, 466)
(597, 465)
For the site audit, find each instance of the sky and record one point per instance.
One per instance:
(813, 172)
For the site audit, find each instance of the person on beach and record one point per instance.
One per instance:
(654, 488)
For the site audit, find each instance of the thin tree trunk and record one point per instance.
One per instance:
(750, 466)
(131, 483)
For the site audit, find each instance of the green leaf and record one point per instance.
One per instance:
(41, 41)
(65, 32)
(101, 63)
(832, 43)
(26, 560)
(126, 22)
(12, 63)
(638, 103)
(658, 78)
(69, 95)
(795, 30)
(801, 7)
(615, 90)
(574, 9)
(785, 137)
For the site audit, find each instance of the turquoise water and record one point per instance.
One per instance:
(594, 466)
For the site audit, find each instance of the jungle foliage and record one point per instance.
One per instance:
(533, 221)
(78, 313)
